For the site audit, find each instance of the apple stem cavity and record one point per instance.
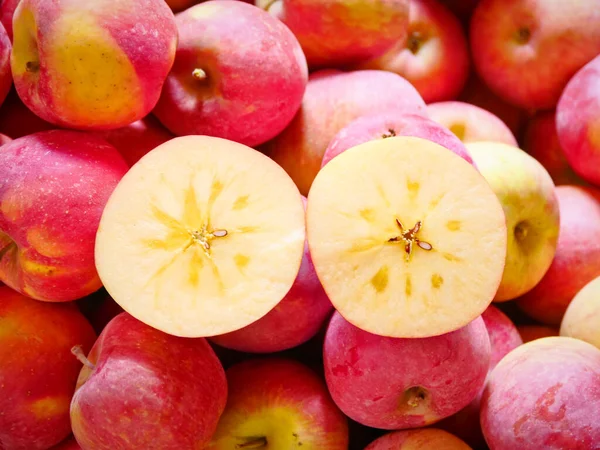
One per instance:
(409, 238)
(32, 66)
(199, 74)
(260, 442)
(523, 35)
(415, 42)
(390, 133)
(80, 355)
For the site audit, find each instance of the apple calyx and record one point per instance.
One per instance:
(415, 42)
(415, 396)
(203, 237)
(390, 133)
(409, 238)
(523, 35)
(521, 231)
(199, 74)
(32, 66)
(254, 442)
(80, 355)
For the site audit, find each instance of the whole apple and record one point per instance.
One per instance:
(544, 394)
(419, 439)
(5, 72)
(37, 371)
(95, 64)
(53, 189)
(246, 93)
(583, 314)
(279, 404)
(141, 388)
(527, 50)
(392, 383)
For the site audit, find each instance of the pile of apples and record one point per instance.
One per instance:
(299, 224)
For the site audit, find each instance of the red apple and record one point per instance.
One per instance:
(141, 388)
(7, 10)
(527, 50)
(279, 404)
(37, 371)
(382, 126)
(5, 72)
(532, 332)
(419, 439)
(92, 65)
(471, 123)
(54, 187)
(435, 57)
(16, 120)
(544, 395)
(578, 122)
(342, 32)
(246, 93)
(392, 383)
(577, 258)
(333, 99)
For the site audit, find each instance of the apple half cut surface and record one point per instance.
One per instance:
(203, 236)
(407, 238)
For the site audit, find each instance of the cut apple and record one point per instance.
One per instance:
(407, 238)
(203, 236)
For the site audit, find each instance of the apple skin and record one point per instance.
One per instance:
(577, 122)
(333, 99)
(471, 123)
(7, 10)
(381, 126)
(339, 33)
(421, 382)
(16, 120)
(435, 57)
(583, 315)
(541, 141)
(532, 332)
(250, 92)
(544, 394)
(527, 50)
(528, 197)
(419, 439)
(136, 397)
(49, 211)
(124, 49)
(4, 139)
(577, 258)
(5, 71)
(282, 401)
(38, 373)
(138, 138)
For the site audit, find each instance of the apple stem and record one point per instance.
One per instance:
(254, 443)
(78, 352)
(199, 74)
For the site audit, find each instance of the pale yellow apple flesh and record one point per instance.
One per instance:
(202, 236)
(397, 281)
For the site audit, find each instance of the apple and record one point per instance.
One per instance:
(544, 394)
(527, 50)
(577, 121)
(16, 120)
(92, 65)
(37, 371)
(138, 138)
(333, 99)
(471, 123)
(7, 10)
(532, 332)
(52, 192)
(5, 72)
(390, 124)
(246, 93)
(419, 439)
(130, 394)
(541, 142)
(407, 238)
(342, 32)
(194, 243)
(581, 318)
(435, 57)
(280, 404)
(392, 384)
(577, 258)
(527, 194)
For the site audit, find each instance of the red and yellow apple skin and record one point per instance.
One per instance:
(339, 33)
(38, 373)
(333, 99)
(532, 332)
(527, 50)
(147, 389)
(418, 439)
(577, 258)
(92, 65)
(245, 93)
(544, 394)
(53, 189)
(5, 72)
(435, 57)
(578, 122)
(138, 138)
(393, 384)
(382, 126)
(7, 10)
(280, 404)
(16, 120)
(541, 141)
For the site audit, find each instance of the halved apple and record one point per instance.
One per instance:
(407, 238)
(202, 236)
